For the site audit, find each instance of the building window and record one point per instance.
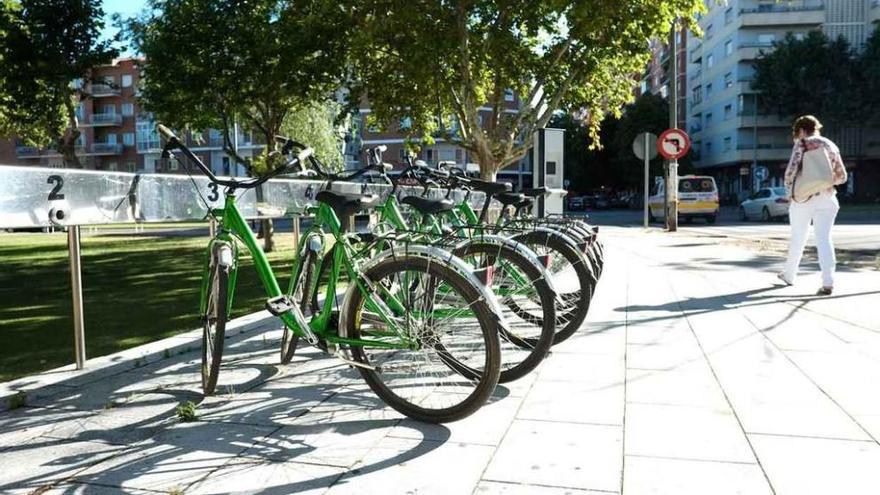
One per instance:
(728, 80)
(508, 95)
(429, 155)
(112, 166)
(697, 95)
(710, 60)
(708, 119)
(128, 139)
(109, 109)
(728, 143)
(405, 124)
(127, 109)
(708, 32)
(147, 136)
(708, 90)
(130, 166)
(728, 47)
(402, 154)
(126, 80)
(766, 39)
(728, 16)
(728, 111)
(458, 155)
(709, 148)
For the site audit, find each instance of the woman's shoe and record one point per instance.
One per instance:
(781, 276)
(825, 291)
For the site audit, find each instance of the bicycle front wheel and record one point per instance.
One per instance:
(214, 322)
(453, 363)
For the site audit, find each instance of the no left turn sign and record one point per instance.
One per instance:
(673, 144)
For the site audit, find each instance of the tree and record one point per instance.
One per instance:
(439, 62)
(45, 45)
(813, 75)
(869, 63)
(313, 123)
(210, 63)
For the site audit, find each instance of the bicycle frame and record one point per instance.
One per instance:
(233, 227)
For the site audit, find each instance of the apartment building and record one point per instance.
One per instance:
(116, 134)
(655, 79)
(730, 138)
(364, 135)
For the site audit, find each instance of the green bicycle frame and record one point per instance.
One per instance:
(234, 227)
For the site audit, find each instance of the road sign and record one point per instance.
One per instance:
(761, 173)
(639, 145)
(673, 144)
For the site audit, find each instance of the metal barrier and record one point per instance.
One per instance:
(50, 197)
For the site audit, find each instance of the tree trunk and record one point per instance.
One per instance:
(488, 173)
(67, 141)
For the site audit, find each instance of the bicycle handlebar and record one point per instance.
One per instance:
(172, 141)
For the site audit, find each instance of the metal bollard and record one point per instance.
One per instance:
(79, 337)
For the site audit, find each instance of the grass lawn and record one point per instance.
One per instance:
(136, 289)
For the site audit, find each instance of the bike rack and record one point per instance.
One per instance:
(48, 198)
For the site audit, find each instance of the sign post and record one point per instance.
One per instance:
(673, 144)
(644, 151)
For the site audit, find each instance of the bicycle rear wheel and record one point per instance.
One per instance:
(572, 278)
(453, 365)
(214, 322)
(527, 302)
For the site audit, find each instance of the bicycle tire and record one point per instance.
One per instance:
(521, 350)
(571, 306)
(479, 386)
(214, 329)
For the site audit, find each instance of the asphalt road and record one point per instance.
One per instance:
(856, 230)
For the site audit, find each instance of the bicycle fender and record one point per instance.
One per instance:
(515, 245)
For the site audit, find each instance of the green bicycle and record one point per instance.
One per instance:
(415, 322)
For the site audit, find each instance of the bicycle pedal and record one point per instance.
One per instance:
(279, 305)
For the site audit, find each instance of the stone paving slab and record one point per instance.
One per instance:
(694, 374)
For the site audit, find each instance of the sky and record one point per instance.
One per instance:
(126, 8)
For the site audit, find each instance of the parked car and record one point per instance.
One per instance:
(576, 203)
(601, 202)
(767, 203)
(620, 201)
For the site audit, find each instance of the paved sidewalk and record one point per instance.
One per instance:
(693, 375)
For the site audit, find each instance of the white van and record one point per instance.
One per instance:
(697, 198)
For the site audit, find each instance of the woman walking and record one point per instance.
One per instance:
(820, 208)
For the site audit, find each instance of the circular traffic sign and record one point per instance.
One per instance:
(639, 145)
(673, 144)
(761, 173)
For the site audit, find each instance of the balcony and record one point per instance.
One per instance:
(783, 15)
(104, 90)
(145, 146)
(106, 149)
(27, 151)
(105, 119)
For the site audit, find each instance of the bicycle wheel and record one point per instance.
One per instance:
(572, 278)
(214, 326)
(454, 363)
(527, 301)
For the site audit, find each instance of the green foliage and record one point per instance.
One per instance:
(44, 46)
(439, 62)
(212, 62)
(313, 125)
(186, 412)
(609, 161)
(870, 71)
(814, 75)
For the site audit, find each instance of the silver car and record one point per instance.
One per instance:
(767, 203)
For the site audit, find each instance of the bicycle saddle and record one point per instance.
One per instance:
(427, 206)
(534, 192)
(488, 187)
(347, 204)
(509, 198)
